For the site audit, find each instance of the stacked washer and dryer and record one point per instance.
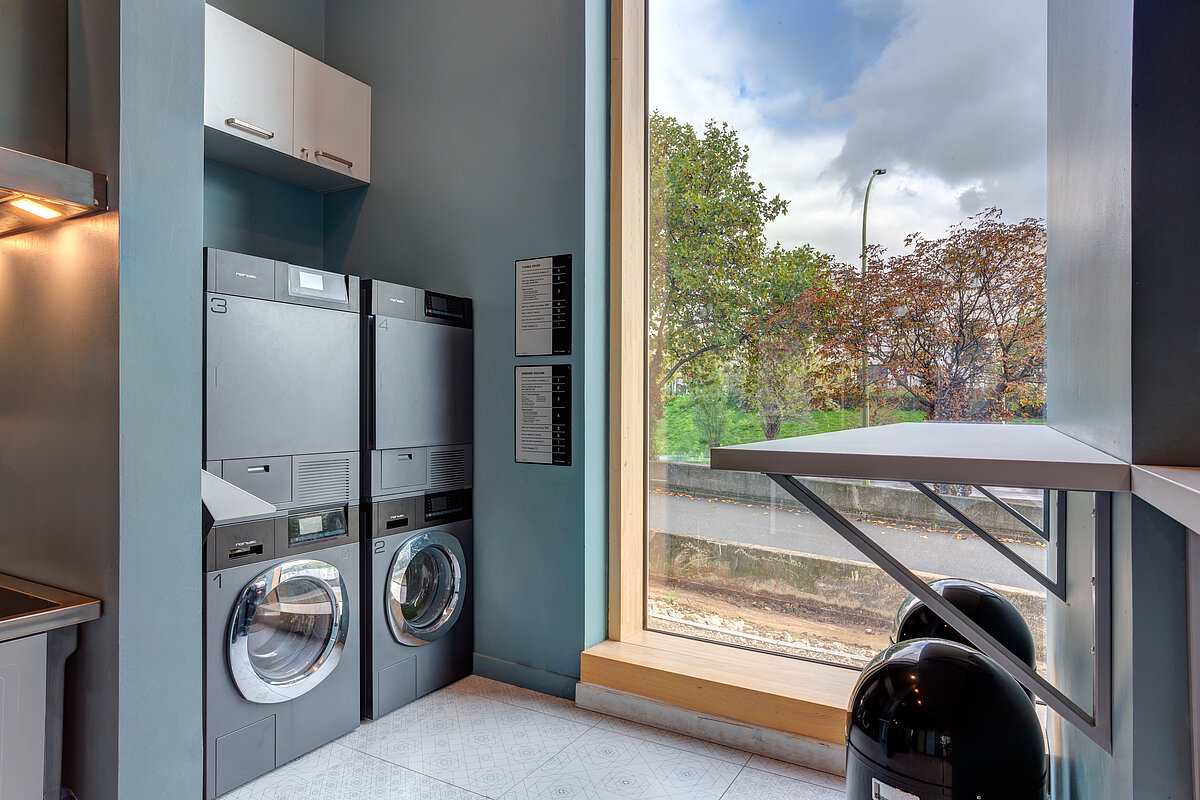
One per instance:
(418, 632)
(307, 631)
(281, 579)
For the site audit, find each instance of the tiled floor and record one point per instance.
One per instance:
(479, 738)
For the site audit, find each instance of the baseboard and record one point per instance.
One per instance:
(811, 753)
(539, 680)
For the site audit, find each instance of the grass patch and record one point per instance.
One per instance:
(677, 436)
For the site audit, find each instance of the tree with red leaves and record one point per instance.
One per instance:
(956, 323)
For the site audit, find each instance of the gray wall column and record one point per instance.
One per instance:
(161, 219)
(1121, 294)
(100, 416)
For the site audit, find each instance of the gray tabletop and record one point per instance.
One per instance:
(938, 452)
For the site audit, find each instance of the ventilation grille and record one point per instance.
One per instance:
(447, 468)
(323, 481)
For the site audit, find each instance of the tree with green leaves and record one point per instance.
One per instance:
(777, 364)
(711, 274)
(706, 220)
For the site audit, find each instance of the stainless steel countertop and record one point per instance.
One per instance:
(26, 616)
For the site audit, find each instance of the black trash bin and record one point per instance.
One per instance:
(931, 718)
(985, 606)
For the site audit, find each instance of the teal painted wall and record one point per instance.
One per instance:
(249, 213)
(595, 326)
(489, 145)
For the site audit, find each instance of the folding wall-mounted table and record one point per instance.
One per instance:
(979, 455)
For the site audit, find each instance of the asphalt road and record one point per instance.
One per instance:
(923, 550)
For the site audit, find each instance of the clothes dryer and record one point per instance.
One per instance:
(418, 390)
(418, 629)
(281, 640)
(282, 360)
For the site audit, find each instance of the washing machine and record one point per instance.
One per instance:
(418, 408)
(419, 632)
(281, 641)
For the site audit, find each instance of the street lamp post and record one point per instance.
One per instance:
(866, 409)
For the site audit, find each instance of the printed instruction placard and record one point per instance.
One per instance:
(543, 414)
(543, 303)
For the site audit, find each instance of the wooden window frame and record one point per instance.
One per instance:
(627, 299)
(791, 695)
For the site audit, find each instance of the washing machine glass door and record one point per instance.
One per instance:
(425, 588)
(288, 630)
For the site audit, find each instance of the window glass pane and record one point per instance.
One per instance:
(846, 209)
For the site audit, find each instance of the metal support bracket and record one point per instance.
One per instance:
(1057, 587)
(1097, 725)
(1042, 532)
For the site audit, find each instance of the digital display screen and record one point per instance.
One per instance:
(445, 306)
(313, 524)
(309, 280)
(311, 528)
(448, 505)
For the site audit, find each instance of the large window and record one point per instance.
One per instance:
(845, 228)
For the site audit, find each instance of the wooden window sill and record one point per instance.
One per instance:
(787, 694)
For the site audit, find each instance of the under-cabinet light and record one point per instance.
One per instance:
(36, 191)
(36, 208)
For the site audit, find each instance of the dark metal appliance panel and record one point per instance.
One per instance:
(281, 379)
(423, 384)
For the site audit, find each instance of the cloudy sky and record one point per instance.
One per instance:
(948, 95)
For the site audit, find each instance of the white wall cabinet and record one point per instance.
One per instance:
(274, 110)
(247, 82)
(333, 118)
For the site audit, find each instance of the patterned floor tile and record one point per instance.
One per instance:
(677, 740)
(605, 765)
(360, 777)
(472, 742)
(293, 772)
(534, 701)
(754, 784)
(797, 772)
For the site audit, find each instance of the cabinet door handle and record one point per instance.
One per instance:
(234, 122)
(322, 154)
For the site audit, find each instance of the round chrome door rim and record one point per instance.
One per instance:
(253, 686)
(405, 632)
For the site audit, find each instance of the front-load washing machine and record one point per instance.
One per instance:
(281, 641)
(418, 627)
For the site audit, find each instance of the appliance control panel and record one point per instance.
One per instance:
(317, 526)
(416, 512)
(406, 302)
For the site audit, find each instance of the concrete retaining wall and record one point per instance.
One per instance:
(799, 577)
(894, 503)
